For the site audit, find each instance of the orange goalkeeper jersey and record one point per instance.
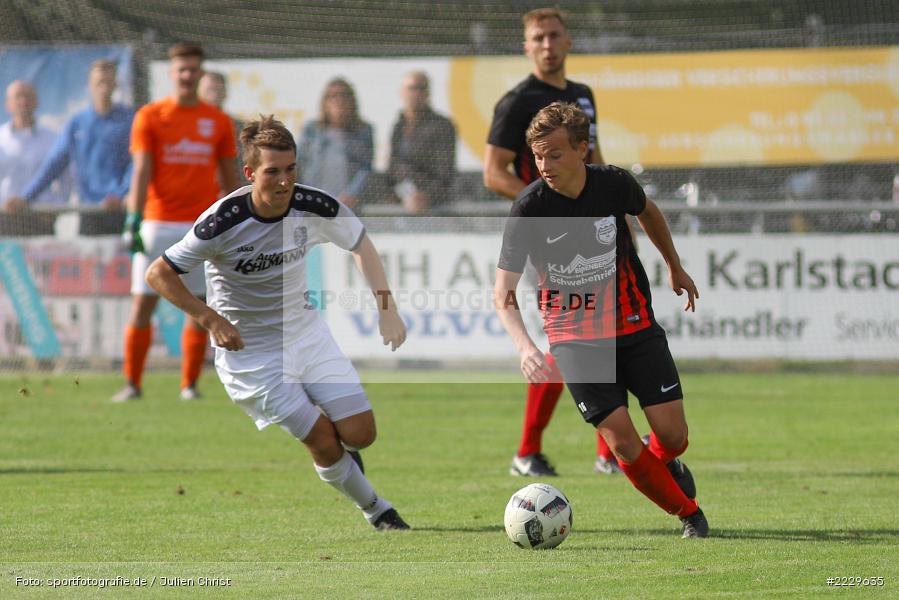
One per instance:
(186, 143)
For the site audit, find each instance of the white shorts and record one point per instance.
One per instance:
(306, 379)
(159, 236)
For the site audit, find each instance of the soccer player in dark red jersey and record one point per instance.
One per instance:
(547, 43)
(595, 300)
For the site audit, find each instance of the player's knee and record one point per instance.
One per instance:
(673, 438)
(360, 438)
(357, 431)
(626, 450)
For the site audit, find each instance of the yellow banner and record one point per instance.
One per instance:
(756, 107)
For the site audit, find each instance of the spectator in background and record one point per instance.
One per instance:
(214, 90)
(96, 139)
(178, 145)
(335, 152)
(422, 149)
(23, 146)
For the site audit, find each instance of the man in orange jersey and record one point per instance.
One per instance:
(179, 145)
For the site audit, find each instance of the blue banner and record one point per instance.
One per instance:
(59, 75)
(26, 301)
(170, 321)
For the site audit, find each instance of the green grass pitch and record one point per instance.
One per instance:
(798, 474)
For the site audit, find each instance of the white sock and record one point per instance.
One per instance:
(345, 476)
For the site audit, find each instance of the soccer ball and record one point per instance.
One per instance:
(538, 517)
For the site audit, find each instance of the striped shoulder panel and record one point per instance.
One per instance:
(229, 213)
(314, 201)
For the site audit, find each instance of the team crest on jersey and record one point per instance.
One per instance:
(300, 236)
(587, 106)
(605, 230)
(206, 127)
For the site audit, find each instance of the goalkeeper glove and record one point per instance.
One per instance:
(131, 234)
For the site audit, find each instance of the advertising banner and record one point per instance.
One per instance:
(781, 297)
(747, 107)
(795, 297)
(71, 299)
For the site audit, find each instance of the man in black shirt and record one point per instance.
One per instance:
(422, 149)
(596, 305)
(547, 43)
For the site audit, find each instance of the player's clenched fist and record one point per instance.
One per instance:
(224, 334)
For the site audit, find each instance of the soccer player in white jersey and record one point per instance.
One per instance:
(274, 354)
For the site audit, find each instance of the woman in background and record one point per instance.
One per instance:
(335, 151)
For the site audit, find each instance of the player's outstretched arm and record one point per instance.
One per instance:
(168, 284)
(390, 323)
(497, 177)
(505, 301)
(653, 223)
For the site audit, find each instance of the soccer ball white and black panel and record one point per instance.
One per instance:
(538, 516)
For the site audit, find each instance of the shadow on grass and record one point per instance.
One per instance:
(858, 536)
(82, 470)
(865, 536)
(57, 470)
(481, 529)
(866, 474)
(500, 529)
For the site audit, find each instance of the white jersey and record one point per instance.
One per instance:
(256, 267)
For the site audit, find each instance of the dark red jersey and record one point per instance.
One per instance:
(591, 282)
(515, 110)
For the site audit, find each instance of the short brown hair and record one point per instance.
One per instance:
(538, 14)
(556, 115)
(185, 49)
(267, 132)
(104, 65)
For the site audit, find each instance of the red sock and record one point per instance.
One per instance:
(602, 448)
(666, 455)
(651, 477)
(542, 400)
(137, 345)
(193, 354)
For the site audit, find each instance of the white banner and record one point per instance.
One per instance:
(783, 296)
(796, 297)
(810, 297)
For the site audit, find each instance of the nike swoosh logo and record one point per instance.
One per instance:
(550, 240)
(669, 388)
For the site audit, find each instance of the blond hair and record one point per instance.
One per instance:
(538, 14)
(556, 115)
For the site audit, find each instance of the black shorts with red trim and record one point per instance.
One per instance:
(600, 374)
